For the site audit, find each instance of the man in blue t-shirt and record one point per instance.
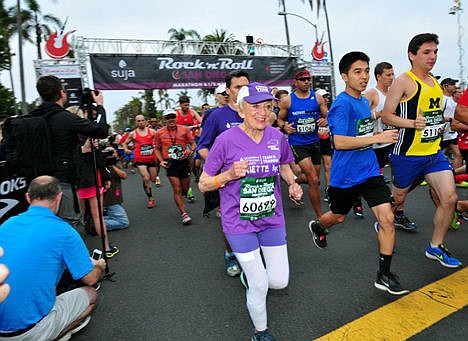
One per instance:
(38, 245)
(355, 170)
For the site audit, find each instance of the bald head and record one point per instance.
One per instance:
(45, 191)
(140, 121)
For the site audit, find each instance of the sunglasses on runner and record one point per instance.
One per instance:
(303, 79)
(170, 117)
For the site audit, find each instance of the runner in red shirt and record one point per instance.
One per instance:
(174, 147)
(145, 157)
(191, 119)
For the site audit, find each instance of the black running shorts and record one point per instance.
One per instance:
(326, 146)
(375, 191)
(308, 150)
(178, 168)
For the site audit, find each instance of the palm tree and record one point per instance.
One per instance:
(180, 36)
(164, 100)
(5, 53)
(204, 93)
(16, 25)
(150, 109)
(125, 116)
(221, 36)
(182, 93)
(33, 21)
(318, 3)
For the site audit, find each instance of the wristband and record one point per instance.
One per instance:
(216, 182)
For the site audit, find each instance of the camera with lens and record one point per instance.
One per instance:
(87, 100)
(108, 156)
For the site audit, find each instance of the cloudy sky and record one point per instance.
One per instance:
(382, 29)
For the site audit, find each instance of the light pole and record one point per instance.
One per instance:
(316, 37)
(19, 24)
(299, 16)
(286, 27)
(457, 9)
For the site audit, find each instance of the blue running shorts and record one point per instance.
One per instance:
(407, 168)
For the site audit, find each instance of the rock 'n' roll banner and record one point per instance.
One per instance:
(129, 72)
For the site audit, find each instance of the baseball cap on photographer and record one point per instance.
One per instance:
(255, 93)
(220, 89)
(168, 112)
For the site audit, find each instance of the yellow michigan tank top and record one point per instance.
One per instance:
(412, 142)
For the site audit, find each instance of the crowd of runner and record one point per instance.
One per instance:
(257, 137)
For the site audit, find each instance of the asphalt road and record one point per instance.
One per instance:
(170, 282)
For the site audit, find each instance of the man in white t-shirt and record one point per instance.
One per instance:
(450, 138)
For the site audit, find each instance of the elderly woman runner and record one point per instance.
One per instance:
(245, 163)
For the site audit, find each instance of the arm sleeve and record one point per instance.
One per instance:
(76, 255)
(208, 134)
(90, 128)
(214, 162)
(336, 119)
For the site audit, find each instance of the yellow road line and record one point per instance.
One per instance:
(410, 314)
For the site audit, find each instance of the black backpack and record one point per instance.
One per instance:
(28, 145)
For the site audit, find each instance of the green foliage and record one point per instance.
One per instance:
(182, 34)
(150, 104)
(7, 102)
(125, 116)
(34, 24)
(5, 53)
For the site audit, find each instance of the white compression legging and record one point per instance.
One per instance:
(274, 274)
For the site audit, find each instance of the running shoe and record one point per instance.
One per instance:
(465, 216)
(456, 221)
(112, 251)
(190, 196)
(157, 182)
(357, 209)
(442, 255)
(389, 283)
(462, 184)
(264, 335)
(325, 195)
(387, 180)
(297, 202)
(318, 234)
(402, 221)
(424, 183)
(218, 213)
(150, 203)
(243, 279)
(186, 219)
(132, 171)
(232, 266)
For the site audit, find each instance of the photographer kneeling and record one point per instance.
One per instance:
(115, 216)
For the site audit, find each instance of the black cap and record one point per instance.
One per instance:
(449, 81)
